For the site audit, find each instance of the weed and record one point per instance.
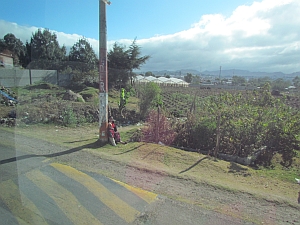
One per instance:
(69, 117)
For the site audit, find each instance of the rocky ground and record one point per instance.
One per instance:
(61, 107)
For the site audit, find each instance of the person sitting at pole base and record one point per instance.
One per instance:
(115, 133)
(111, 134)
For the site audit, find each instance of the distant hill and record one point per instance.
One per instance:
(226, 73)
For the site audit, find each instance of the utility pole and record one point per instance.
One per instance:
(103, 80)
(220, 74)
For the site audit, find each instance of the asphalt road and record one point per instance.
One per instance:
(35, 189)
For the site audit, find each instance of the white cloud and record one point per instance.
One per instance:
(263, 36)
(24, 33)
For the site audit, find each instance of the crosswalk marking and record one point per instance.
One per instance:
(112, 201)
(65, 200)
(147, 196)
(24, 210)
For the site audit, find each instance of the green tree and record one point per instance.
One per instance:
(296, 81)
(122, 62)
(46, 52)
(25, 58)
(148, 74)
(118, 65)
(135, 59)
(188, 78)
(238, 80)
(280, 84)
(150, 97)
(196, 79)
(259, 82)
(14, 45)
(83, 54)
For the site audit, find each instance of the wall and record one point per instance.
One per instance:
(6, 61)
(22, 77)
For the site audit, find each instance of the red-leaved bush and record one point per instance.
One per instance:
(158, 129)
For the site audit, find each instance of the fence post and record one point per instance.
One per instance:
(15, 78)
(57, 78)
(30, 78)
(157, 125)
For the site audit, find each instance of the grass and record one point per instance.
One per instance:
(271, 184)
(114, 98)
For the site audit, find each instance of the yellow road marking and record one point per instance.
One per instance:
(21, 207)
(65, 200)
(112, 201)
(147, 196)
(46, 160)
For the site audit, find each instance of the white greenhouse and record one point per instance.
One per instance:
(162, 81)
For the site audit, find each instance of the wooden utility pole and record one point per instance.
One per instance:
(103, 81)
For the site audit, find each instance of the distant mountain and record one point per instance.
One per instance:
(226, 73)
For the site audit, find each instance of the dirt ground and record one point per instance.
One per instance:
(236, 204)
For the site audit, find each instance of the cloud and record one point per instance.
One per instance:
(263, 36)
(24, 33)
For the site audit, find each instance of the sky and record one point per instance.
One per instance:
(261, 35)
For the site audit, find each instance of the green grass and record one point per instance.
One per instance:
(114, 99)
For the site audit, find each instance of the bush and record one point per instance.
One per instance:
(239, 125)
(158, 129)
(150, 97)
(69, 117)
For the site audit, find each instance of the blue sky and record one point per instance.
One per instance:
(125, 18)
(258, 35)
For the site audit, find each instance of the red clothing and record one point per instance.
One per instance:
(111, 131)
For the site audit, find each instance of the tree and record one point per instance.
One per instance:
(196, 79)
(118, 65)
(238, 80)
(14, 45)
(148, 74)
(150, 97)
(296, 81)
(122, 62)
(135, 61)
(25, 58)
(280, 84)
(83, 54)
(260, 81)
(188, 78)
(45, 50)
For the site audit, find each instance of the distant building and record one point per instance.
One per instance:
(6, 61)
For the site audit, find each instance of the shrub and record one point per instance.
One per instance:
(69, 117)
(239, 125)
(150, 97)
(158, 129)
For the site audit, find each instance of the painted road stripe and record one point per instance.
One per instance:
(21, 207)
(147, 196)
(121, 208)
(64, 199)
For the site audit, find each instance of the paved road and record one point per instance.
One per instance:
(35, 191)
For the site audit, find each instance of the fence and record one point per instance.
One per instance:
(22, 77)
